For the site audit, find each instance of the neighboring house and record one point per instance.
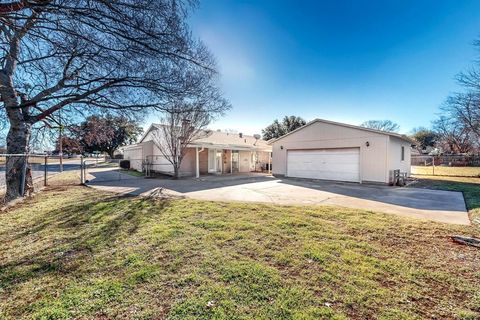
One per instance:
(212, 152)
(425, 151)
(335, 151)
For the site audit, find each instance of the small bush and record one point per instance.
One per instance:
(125, 164)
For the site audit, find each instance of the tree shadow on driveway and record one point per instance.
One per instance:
(286, 191)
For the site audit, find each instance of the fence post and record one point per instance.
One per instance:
(433, 165)
(45, 171)
(24, 175)
(81, 170)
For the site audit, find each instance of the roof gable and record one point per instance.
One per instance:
(400, 136)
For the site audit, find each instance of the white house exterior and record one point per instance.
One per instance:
(212, 152)
(329, 150)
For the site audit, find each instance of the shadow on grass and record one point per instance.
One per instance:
(72, 233)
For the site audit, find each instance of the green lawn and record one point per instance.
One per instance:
(132, 173)
(75, 252)
(469, 186)
(447, 171)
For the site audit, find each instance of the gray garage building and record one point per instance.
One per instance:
(330, 150)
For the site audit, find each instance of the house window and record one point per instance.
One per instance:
(403, 153)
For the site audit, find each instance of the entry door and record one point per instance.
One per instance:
(328, 164)
(212, 161)
(235, 160)
(218, 160)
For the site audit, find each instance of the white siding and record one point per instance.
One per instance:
(135, 155)
(327, 164)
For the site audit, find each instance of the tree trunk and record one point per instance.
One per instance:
(176, 171)
(18, 139)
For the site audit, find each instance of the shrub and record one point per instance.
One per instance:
(125, 164)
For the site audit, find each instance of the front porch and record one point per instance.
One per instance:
(219, 161)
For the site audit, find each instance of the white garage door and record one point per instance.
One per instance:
(328, 164)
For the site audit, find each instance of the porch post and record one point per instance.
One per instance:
(269, 163)
(197, 163)
(231, 161)
(215, 169)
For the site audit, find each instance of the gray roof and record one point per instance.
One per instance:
(230, 139)
(223, 140)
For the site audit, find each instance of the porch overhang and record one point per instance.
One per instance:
(200, 147)
(227, 147)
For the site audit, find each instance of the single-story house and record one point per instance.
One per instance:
(329, 150)
(210, 152)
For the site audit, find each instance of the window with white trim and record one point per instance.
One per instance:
(403, 153)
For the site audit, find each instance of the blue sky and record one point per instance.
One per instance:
(346, 61)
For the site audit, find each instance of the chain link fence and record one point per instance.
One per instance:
(446, 165)
(43, 167)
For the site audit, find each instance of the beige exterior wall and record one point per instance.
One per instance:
(148, 137)
(159, 162)
(395, 156)
(135, 155)
(147, 150)
(188, 165)
(318, 135)
(244, 161)
(262, 158)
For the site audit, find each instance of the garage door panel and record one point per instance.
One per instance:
(329, 164)
(315, 167)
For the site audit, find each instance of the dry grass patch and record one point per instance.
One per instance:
(80, 253)
(447, 171)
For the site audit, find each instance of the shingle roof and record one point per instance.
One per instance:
(223, 140)
(230, 139)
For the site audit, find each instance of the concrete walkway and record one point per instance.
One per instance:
(435, 205)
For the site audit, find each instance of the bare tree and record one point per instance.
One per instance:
(461, 113)
(465, 109)
(82, 56)
(452, 137)
(382, 125)
(183, 122)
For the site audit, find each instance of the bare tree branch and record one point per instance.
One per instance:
(90, 56)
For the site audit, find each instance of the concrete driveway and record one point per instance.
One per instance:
(436, 205)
